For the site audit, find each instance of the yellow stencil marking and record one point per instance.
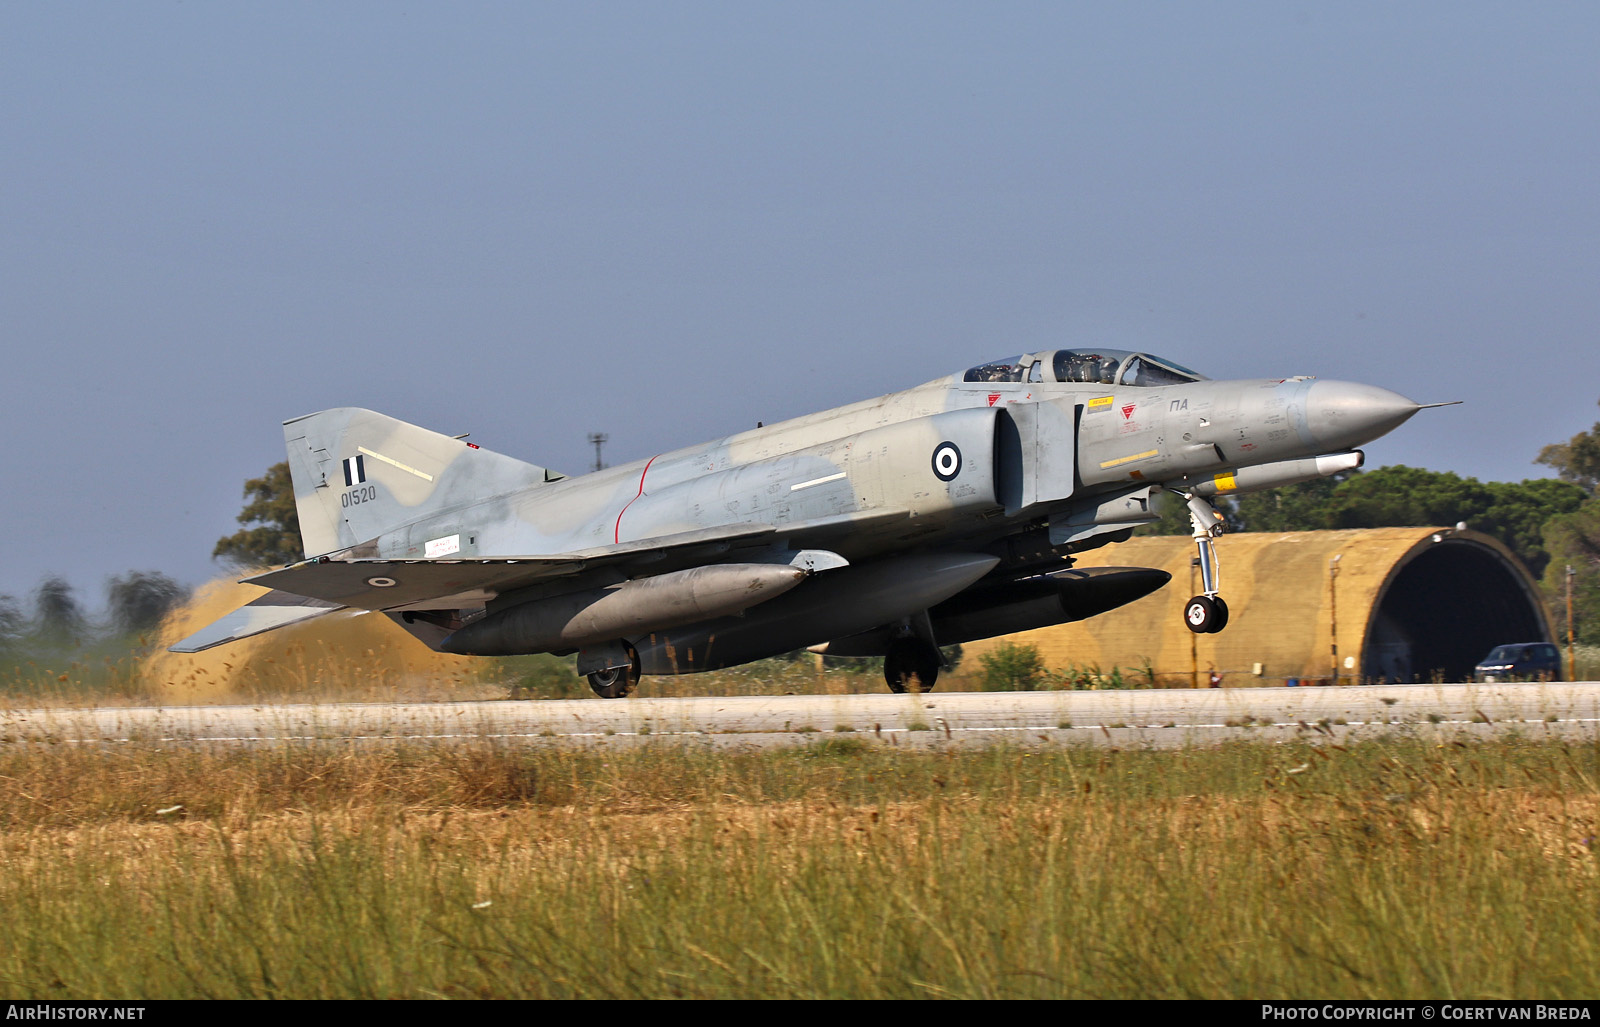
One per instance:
(391, 461)
(1147, 454)
(1225, 482)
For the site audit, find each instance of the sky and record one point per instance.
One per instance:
(666, 221)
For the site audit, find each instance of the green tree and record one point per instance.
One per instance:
(1574, 541)
(1401, 496)
(1513, 512)
(13, 625)
(1577, 460)
(1301, 507)
(1012, 666)
(1573, 538)
(272, 524)
(138, 601)
(1518, 512)
(58, 619)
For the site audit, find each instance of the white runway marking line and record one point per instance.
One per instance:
(779, 731)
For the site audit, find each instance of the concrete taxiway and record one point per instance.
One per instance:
(1155, 718)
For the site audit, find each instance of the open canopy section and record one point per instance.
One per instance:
(1095, 367)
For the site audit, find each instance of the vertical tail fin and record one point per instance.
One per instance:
(359, 474)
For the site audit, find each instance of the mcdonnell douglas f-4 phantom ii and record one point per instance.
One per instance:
(942, 514)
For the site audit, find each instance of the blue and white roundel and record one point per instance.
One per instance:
(946, 461)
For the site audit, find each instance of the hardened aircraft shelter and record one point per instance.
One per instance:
(1358, 605)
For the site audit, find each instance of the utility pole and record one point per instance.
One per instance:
(598, 439)
(1572, 655)
(1333, 611)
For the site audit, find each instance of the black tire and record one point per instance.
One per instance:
(1222, 615)
(618, 682)
(911, 665)
(1199, 614)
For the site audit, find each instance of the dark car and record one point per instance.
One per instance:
(1524, 661)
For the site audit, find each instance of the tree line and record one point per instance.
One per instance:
(57, 622)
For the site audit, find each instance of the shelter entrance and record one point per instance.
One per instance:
(1445, 605)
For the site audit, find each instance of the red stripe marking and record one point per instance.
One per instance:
(617, 535)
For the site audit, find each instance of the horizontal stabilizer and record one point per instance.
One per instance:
(273, 610)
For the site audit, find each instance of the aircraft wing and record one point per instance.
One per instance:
(342, 581)
(273, 610)
(377, 584)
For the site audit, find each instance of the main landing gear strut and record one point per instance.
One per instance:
(913, 661)
(1205, 613)
(617, 682)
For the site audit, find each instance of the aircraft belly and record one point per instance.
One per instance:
(1038, 601)
(829, 605)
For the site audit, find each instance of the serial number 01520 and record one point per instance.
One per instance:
(364, 494)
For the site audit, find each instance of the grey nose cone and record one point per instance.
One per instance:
(1343, 415)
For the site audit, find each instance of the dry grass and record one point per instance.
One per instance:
(837, 870)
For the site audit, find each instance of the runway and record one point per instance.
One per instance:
(1152, 718)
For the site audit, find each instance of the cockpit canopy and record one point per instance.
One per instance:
(1098, 366)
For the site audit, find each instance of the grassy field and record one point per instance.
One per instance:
(1392, 868)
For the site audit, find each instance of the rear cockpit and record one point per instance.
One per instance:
(1094, 367)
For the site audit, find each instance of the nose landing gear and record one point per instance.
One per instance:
(1206, 613)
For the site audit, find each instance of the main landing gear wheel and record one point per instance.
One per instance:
(618, 682)
(911, 665)
(1205, 615)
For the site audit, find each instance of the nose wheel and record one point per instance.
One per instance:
(1205, 614)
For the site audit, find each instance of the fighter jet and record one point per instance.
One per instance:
(891, 527)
